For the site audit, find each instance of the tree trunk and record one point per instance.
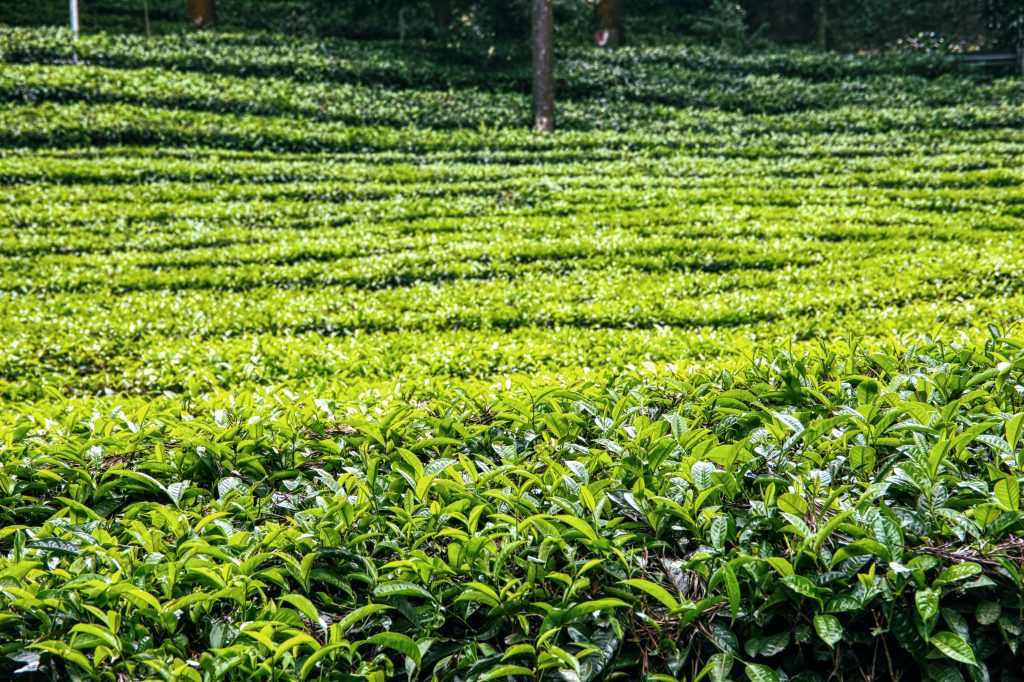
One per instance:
(402, 25)
(443, 19)
(821, 24)
(73, 7)
(543, 37)
(200, 13)
(610, 32)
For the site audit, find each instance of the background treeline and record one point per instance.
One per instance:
(485, 24)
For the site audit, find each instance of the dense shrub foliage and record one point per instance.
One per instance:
(680, 76)
(316, 363)
(809, 515)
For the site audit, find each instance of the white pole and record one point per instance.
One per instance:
(74, 18)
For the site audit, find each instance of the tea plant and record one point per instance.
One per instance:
(833, 513)
(316, 363)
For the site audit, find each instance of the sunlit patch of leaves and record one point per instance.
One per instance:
(247, 422)
(830, 513)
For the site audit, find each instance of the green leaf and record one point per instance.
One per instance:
(987, 612)
(791, 503)
(109, 638)
(936, 456)
(145, 480)
(829, 629)
(519, 650)
(888, 533)
(862, 458)
(790, 421)
(137, 596)
(732, 589)
(953, 646)
(55, 545)
(781, 565)
(802, 586)
(1014, 426)
(359, 614)
(927, 602)
(400, 589)
(1007, 492)
(770, 645)
(943, 673)
(394, 640)
(78, 506)
(176, 491)
(796, 525)
(305, 606)
(825, 531)
(719, 528)
(985, 514)
(867, 391)
(318, 656)
(677, 423)
(717, 669)
(502, 671)
(436, 466)
(655, 590)
(761, 673)
(589, 607)
(293, 642)
(701, 474)
(479, 592)
(958, 572)
(580, 525)
(65, 652)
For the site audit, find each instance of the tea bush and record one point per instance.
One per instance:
(853, 512)
(316, 363)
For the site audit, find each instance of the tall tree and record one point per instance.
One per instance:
(201, 13)
(610, 32)
(74, 18)
(821, 24)
(543, 39)
(443, 18)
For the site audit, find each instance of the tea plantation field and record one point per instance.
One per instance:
(316, 363)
